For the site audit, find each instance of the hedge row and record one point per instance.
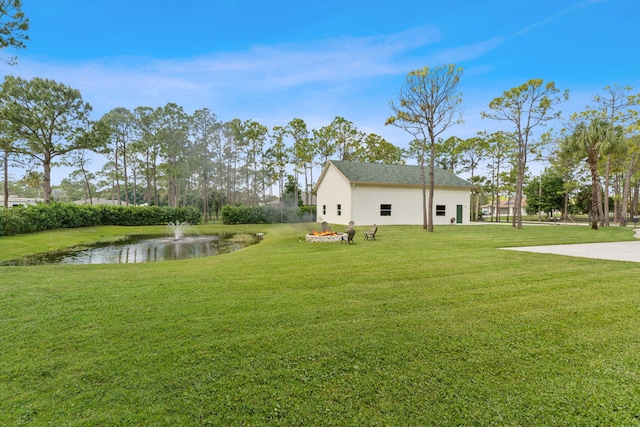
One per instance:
(20, 219)
(265, 214)
(249, 215)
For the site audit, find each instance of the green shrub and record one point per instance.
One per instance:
(40, 217)
(248, 215)
(266, 214)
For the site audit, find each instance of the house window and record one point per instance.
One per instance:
(324, 209)
(385, 210)
(441, 210)
(339, 209)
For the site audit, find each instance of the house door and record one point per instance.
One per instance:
(458, 214)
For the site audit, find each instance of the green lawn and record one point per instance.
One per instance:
(412, 329)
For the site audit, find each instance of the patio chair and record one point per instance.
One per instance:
(371, 234)
(349, 237)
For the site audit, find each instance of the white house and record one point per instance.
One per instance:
(15, 201)
(373, 193)
(505, 208)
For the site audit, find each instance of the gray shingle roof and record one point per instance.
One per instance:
(377, 173)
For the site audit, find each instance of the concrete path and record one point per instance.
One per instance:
(616, 251)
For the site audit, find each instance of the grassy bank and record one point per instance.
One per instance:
(411, 329)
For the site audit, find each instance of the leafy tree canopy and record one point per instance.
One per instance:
(13, 27)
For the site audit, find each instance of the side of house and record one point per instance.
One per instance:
(369, 193)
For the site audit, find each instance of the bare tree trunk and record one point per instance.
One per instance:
(634, 202)
(607, 173)
(626, 191)
(432, 186)
(135, 185)
(596, 205)
(125, 176)
(617, 212)
(6, 178)
(205, 197)
(600, 203)
(46, 182)
(498, 193)
(425, 222)
(147, 193)
(116, 178)
(155, 184)
(517, 208)
(87, 184)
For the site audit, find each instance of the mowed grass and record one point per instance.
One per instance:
(412, 329)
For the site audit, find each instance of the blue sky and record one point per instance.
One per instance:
(272, 61)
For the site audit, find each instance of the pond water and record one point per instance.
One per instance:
(139, 248)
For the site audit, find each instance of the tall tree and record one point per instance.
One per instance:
(147, 122)
(376, 149)
(7, 147)
(427, 106)
(33, 179)
(633, 167)
(347, 138)
(80, 160)
(325, 143)
(587, 142)
(13, 27)
(472, 151)
(448, 153)
(49, 119)
(545, 193)
(174, 146)
(526, 106)
(301, 151)
(501, 148)
(232, 133)
(616, 104)
(277, 156)
(204, 131)
(254, 137)
(567, 167)
(121, 123)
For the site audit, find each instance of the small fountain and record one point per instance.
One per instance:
(178, 229)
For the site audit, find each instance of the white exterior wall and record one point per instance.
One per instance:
(406, 205)
(334, 191)
(20, 201)
(360, 203)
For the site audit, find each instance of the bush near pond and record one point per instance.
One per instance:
(249, 215)
(21, 220)
(242, 214)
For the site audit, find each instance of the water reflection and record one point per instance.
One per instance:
(138, 249)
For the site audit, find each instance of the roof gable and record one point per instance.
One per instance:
(378, 173)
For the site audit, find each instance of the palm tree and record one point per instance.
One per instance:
(589, 141)
(34, 180)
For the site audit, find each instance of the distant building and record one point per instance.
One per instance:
(504, 208)
(15, 201)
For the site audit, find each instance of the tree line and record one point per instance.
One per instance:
(603, 142)
(165, 156)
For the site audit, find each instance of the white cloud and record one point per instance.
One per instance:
(260, 72)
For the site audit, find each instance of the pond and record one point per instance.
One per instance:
(142, 248)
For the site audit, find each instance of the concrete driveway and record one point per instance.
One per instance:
(615, 251)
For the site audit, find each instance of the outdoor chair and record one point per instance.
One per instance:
(349, 237)
(371, 234)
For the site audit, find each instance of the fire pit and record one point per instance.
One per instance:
(324, 236)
